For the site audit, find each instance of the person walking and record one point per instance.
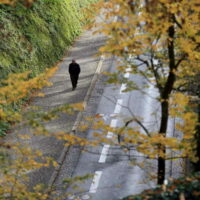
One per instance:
(74, 71)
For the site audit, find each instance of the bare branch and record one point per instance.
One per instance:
(156, 75)
(176, 22)
(180, 60)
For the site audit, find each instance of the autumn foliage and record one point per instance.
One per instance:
(158, 40)
(18, 158)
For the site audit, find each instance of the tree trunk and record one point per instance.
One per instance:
(163, 129)
(165, 104)
(197, 137)
(161, 171)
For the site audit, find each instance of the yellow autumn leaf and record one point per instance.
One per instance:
(40, 94)
(78, 106)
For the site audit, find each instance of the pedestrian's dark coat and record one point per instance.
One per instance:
(74, 68)
(74, 71)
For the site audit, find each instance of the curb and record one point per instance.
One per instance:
(76, 124)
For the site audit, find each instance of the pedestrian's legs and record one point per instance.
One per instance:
(73, 80)
(76, 79)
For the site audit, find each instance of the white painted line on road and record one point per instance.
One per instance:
(127, 75)
(85, 197)
(98, 70)
(71, 197)
(95, 182)
(104, 153)
(113, 124)
(118, 106)
(123, 87)
(109, 135)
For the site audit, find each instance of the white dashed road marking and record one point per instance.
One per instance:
(85, 197)
(103, 156)
(123, 87)
(113, 124)
(104, 153)
(118, 106)
(95, 182)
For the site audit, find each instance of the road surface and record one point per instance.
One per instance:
(115, 173)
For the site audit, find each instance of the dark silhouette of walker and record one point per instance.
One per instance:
(74, 71)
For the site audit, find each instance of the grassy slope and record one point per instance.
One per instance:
(35, 38)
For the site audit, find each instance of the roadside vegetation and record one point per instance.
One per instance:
(34, 37)
(37, 37)
(156, 39)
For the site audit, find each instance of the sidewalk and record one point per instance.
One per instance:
(83, 51)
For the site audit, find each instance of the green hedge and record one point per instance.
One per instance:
(35, 38)
(187, 187)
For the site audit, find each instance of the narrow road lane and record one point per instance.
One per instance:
(115, 173)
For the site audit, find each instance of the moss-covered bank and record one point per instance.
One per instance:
(35, 38)
(32, 39)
